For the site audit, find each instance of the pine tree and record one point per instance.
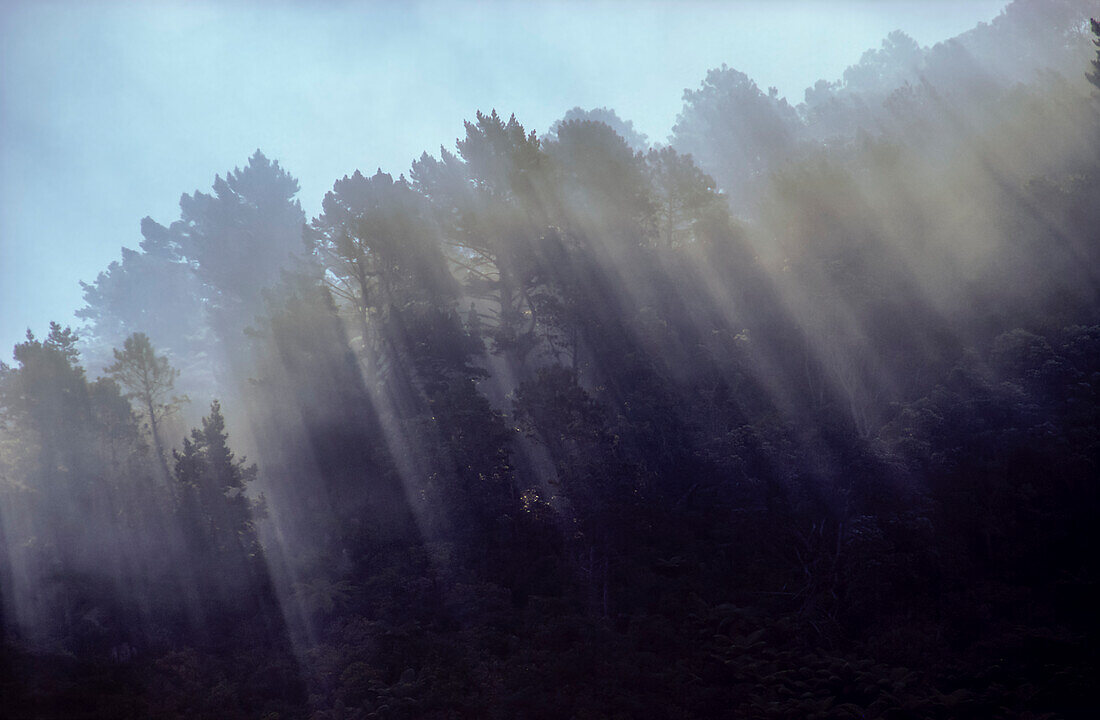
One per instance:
(148, 380)
(214, 504)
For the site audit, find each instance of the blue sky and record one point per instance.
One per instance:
(109, 111)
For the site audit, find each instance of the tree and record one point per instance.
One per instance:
(601, 490)
(603, 185)
(238, 240)
(602, 223)
(148, 380)
(195, 285)
(734, 131)
(315, 421)
(378, 245)
(154, 291)
(48, 394)
(637, 141)
(494, 204)
(881, 71)
(1094, 76)
(76, 500)
(214, 481)
(682, 192)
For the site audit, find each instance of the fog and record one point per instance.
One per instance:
(510, 378)
(120, 107)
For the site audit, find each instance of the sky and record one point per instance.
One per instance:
(109, 111)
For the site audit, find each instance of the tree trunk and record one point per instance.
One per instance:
(157, 445)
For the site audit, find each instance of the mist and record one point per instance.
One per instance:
(633, 400)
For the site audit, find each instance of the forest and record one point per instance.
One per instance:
(796, 415)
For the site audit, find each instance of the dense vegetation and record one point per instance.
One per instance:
(796, 416)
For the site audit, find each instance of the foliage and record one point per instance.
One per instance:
(1094, 76)
(148, 380)
(544, 432)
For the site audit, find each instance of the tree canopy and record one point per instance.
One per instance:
(794, 416)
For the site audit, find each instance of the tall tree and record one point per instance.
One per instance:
(379, 247)
(195, 285)
(214, 482)
(316, 422)
(48, 394)
(152, 290)
(683, 193)
(735, 131)
(603, 184)
(239, 239)
(1094, 76)
(148, 380)
(494, 204)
